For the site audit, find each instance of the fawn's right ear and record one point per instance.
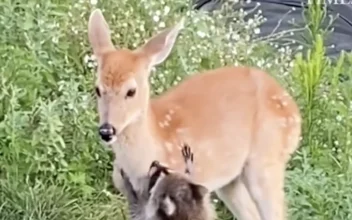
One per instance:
(99, 33)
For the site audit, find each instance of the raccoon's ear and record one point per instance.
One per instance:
(198, 191)
(157, 177)
(168, 206)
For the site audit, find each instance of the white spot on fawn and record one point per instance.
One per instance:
(168, 117)
(283, 122)
(171, 111)
(164, 124)
(290, 120)
(297, 119)
(179, 130)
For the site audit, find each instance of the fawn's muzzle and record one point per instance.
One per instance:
(107, 132)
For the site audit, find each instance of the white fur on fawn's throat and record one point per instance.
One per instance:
(241, 124)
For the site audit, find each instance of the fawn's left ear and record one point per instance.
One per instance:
(99, 33)
(159, 46)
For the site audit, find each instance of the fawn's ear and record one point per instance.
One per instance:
(159, 46)
(99, 33)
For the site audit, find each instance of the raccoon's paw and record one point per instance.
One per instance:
(126, 179)
(123, 174)
(129, 191)
(187, 153)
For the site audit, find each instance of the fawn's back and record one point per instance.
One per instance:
(227, 115)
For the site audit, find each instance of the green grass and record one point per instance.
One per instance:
(52, 165)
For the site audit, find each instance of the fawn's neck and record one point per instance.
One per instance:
(138, 145)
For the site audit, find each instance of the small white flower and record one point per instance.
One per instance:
(166, 10)
(162, 24)
(156, 18)
(201, 34)
(55, 40)
(93, 2)
(260, 63)
(86, 58)
(257, 31)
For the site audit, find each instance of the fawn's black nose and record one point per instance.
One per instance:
(106, 132)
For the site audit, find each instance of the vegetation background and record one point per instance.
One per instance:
(52, 166)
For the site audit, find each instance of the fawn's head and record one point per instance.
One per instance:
(122, 85)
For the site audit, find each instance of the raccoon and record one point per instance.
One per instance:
(168, 195)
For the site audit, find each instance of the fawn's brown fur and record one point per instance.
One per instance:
(241, 124)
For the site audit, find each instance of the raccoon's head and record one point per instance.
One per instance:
(171, 193)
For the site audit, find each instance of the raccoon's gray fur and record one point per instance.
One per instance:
(168, 195)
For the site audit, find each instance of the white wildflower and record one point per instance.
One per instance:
(156, 18)
(257, 31)
(201, 34)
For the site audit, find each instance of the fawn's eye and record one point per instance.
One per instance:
(97, 91)
(130, 93)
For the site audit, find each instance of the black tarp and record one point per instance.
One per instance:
(274, 11)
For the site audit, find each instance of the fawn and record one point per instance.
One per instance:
(168, 195)
(241, 124)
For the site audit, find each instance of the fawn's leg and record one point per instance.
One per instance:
(238, 200)
(266, 185)
(264, 171)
